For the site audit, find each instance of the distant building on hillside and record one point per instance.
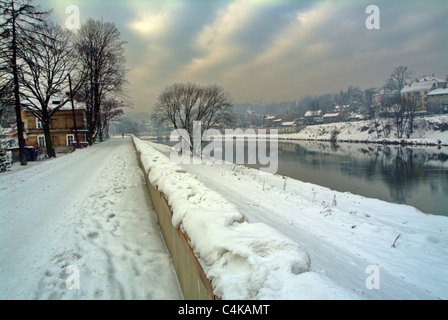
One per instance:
(313, 117)
(438, 101)
(268, 121)
(288, 126)
(333, 116)
(418, 90)
(355, 117)
(383, 94)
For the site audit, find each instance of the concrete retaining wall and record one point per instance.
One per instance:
(194, 283)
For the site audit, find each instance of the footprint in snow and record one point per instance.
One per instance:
(93, 235)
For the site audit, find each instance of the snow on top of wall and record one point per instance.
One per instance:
(243, 260)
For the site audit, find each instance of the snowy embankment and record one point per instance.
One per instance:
(243, 260)
(346, 235)
(429, 130)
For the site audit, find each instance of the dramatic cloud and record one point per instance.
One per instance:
(270, 50)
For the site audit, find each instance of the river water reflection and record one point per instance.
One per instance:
(417, 176)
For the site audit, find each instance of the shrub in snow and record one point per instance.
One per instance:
(4, 160)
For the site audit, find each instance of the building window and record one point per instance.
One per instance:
(41, 141)
(55, 140)
(70, 139)
(38, 124)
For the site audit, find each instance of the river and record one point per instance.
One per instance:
(417, 176)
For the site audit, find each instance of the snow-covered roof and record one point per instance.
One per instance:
(422, 84)
(270, 117)
(356, 116)
(55, 101)
(438, 92)
(313, 113)
(332, 114)
(288, 123)
(385, 92)
(431, 78)
(418, 86)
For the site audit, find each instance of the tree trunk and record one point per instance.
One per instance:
(94, 114)
(18, 108)
(48, 143)
(90, 137)
(78, 145)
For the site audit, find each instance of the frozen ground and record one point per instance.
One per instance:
(85, 212)
(344, 234)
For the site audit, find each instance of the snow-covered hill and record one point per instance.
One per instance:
(429, 130)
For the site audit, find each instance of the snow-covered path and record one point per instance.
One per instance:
(87, 214)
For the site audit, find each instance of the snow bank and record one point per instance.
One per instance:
(243, 260)
(429, 130)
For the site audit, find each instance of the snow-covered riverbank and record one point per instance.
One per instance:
(429, 130)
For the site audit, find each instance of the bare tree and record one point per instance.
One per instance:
(402, 113)
(385, 116)
(391, 110)
(398, 79)
(183, 104)
(6, 95)
(47, 66)
(17, 18)
(102, 57)
(111, 109)
(372, 110)
(411, 107)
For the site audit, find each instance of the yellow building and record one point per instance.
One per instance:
(418, 90)
(62, 130)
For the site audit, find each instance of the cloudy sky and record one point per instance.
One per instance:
(269, 50)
